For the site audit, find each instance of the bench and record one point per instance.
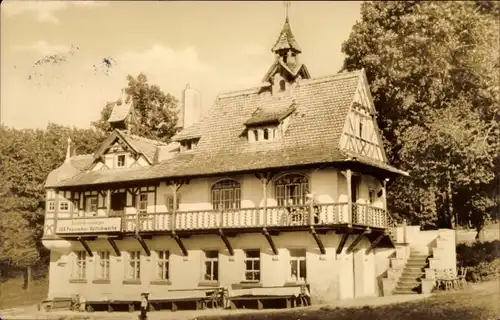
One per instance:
(56, 303)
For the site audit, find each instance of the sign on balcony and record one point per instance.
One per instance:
(103, 224)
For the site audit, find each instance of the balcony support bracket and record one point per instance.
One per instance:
(224, 238)
(143, 244)
(180, 244)
(357, 240)
(113, 245)
(318, 240)
(375, 243)
(343, 241)
(270, 240)
(85, 246)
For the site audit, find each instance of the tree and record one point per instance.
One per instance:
(156, 111)
(432, 72)
(26, 158)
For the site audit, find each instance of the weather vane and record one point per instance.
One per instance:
(287, 7)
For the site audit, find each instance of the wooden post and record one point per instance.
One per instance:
(384, 200)
(348, 176)
(137, 198)
(264, 190)
(311, 210)
(404, 231)
(108, 201)
(175, 187)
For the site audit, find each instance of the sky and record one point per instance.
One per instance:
(61, 61)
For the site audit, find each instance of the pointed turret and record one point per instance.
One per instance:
(286, 69)
(286, 41)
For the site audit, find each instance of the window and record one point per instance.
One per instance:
(226, 194)
(51, 206)
(169, 202)
(120, 161)
(64, 206)
(134, 265)
(80, 270)
(103, 265)
(118, 201)
(91, 204)
(143, 202)
(256, 135)
(252, 265)
(292, 189)
(162, 266)
(282, 85)
(266, 134)
(211, 265)
(297, 264)
(371, 196)
(360, 129)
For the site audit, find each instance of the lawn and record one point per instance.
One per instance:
(13, 295)
(477, 302)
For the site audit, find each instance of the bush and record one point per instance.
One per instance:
(481, 258)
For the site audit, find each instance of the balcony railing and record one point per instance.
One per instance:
(324, 214)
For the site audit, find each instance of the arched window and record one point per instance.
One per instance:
(226, 194)
(291, 189)
(266, 134)
(256, 135)
(282, 85)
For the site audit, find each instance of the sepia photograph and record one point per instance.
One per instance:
(240, 160)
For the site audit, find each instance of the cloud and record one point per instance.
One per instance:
(43, 47)
(44, 10)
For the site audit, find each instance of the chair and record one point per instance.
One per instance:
(462, 277)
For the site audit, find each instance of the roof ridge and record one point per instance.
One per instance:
(134, 136)
(251, 89)
(337, 76)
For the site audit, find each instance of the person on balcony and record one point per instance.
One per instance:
(315, 206)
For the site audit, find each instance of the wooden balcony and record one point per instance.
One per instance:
(244, 218)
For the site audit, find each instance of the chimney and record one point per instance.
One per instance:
(68, 151)
(190, 110)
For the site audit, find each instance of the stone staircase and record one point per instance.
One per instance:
(409, 281)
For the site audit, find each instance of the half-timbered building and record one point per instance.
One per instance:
(278, 191)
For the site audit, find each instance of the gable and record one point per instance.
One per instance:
(119, 151)
(361, 135)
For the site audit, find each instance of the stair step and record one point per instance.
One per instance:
(405, 292)
(409, 279)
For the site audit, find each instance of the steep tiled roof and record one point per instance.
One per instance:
(271, 113)
(189, 133)
(119, 112)
(142, 145)
(313, 134)
(286, 40)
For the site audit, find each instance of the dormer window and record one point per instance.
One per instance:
(256, 135)
(189, 144)
(282, 85)
(120, 161)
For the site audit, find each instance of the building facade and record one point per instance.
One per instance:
(277, 186)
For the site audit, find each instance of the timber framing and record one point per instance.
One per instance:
(180, 244)
(85, 245)
(143, 244)
(375, 243)
(318, 240)
(270, 241)
(343, 240)
(357, 240)
(225, 239)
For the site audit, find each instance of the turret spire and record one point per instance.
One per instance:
(286, 40)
